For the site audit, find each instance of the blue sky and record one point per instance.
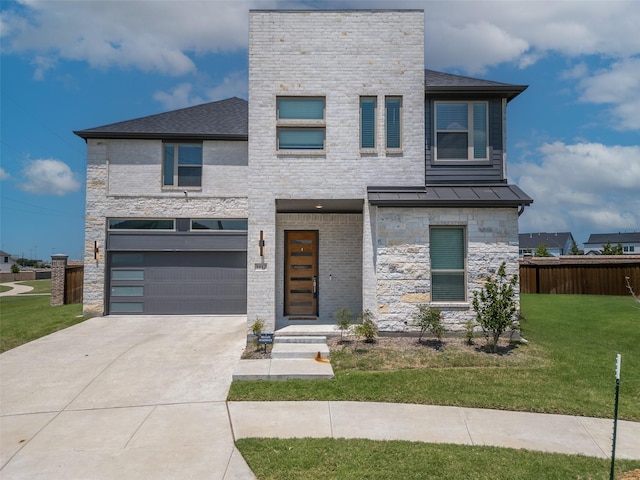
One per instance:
(573, 135)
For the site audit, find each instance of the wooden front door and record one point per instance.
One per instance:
(301, 273)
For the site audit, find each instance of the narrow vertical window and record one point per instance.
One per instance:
(367, 122)
(447, 252)
(393, 107)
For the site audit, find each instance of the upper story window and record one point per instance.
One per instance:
(393, 120)
(461, 131)
(182, 165)
(368, 122)
(301, 123)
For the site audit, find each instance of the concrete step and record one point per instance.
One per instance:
(299, 350)
(282, 369)
(299, 339)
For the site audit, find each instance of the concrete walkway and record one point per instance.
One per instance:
(145, 397)
(16, 289)
(435, 424)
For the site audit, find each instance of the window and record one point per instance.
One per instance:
(141, 224)
(218, 224)
(461, 131)
(368, 122)
(393, 107)
(447, 251)
(301, 123)
(182, 165)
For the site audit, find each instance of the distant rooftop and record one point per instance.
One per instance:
(600, 239)
(551, 240)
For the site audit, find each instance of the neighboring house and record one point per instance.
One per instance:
(352, 178)
(630, 242)
(557, 243)
(6, 261)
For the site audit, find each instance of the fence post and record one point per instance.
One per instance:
(58, 269)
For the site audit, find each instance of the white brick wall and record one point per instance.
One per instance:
(339, 55)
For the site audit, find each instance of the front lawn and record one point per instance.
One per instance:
(345, 459)
(24, 318)
(569, 367)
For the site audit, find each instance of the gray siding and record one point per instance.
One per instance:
(490, 172)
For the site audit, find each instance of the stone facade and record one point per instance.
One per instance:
(403, 263)
(58, 271)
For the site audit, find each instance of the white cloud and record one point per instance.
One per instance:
(148, 35)
(474, 35)
(48, 177)
(178, 97)
(235, 84)
(168, 36)
(581, 187)
(618, 85)
(4, 175)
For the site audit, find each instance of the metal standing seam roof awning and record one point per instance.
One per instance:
(495, 196)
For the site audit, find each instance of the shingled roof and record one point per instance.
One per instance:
(614, 238)
(445, 83)
(224, 119)
(551, 240)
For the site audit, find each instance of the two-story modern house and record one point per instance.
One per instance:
(353, 177)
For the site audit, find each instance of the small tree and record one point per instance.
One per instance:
(608, 249)
(542, 251)
(428, 318)
(495, 304)
(366, 327)
(15, 268)
(344, 318)
(574, 250)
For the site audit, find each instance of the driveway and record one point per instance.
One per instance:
(123, 397)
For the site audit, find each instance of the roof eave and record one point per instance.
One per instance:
(508, 91)
(85, 134)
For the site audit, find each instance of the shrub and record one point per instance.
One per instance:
(469, 325)
(343, 317)
(366, 327)
(495, 304)
(15, 268)
(428, 318)
(256, 328)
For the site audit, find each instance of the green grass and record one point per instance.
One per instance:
(573, 339)
(346, 459)
(39, 286)
(26, 318)
(4, 288)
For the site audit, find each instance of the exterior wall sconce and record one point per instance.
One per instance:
(96, 250)
(261, 245)
(261, 249)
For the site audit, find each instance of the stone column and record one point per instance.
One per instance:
(58, 268)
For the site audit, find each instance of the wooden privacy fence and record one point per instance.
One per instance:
(603, 275)
(73, 283)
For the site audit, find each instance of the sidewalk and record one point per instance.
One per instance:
(436, 424)
(16, 289)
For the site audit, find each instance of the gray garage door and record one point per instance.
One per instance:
(178, 282)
